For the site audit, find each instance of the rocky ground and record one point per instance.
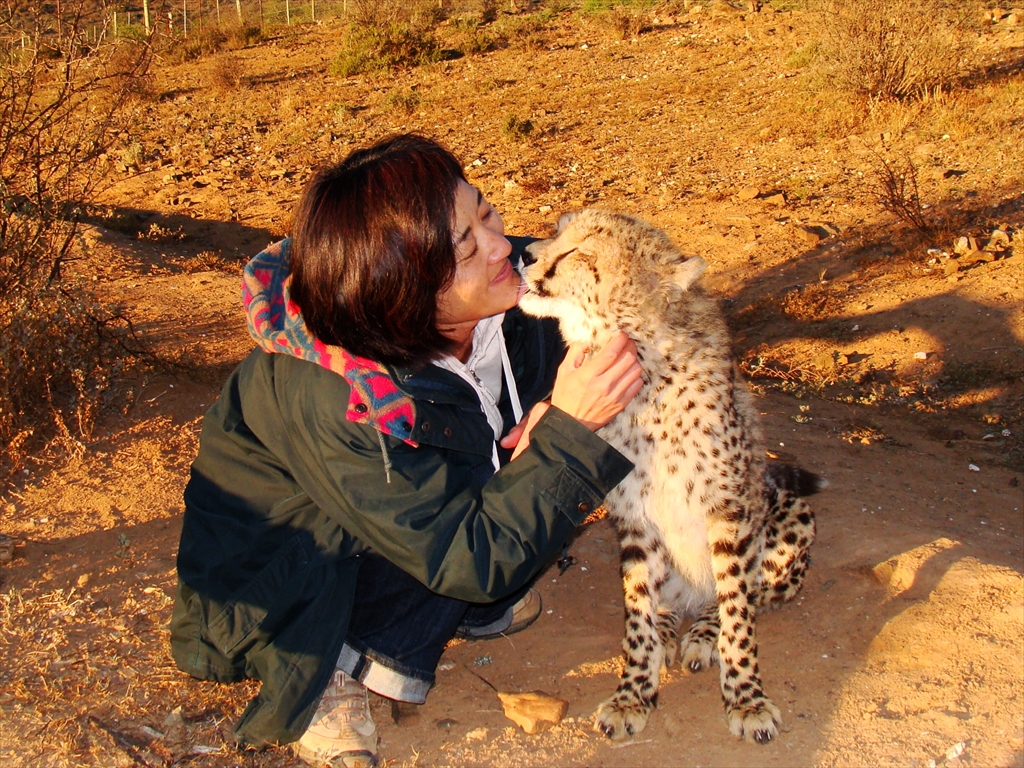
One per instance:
(888, 361)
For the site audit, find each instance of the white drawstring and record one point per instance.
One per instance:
(387, 459)
(513, 393)
(485, 334)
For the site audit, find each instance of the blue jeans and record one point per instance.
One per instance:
(399, 629)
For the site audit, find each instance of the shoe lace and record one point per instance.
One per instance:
(345, 702)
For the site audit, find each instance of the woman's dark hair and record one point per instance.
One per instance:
(372, 245)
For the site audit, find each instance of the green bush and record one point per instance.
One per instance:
(515, 129)
(381, 49)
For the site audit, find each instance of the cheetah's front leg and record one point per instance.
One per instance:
(735, 562)
(644, 570)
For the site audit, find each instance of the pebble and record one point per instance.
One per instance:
(6, 548)
(974, 468)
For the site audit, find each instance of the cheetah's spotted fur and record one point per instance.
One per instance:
(706, 527)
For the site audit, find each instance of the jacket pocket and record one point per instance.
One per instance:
(247, 608)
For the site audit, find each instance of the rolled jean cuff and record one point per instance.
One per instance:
(477, 629)
(385, 677)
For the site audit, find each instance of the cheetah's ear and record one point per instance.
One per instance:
(689, 272)
(565, 219)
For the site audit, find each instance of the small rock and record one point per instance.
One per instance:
(974, 468)
(748, 193)
(6, 548)
(951, 267)
(175, 719)
(998, 241)
(477, 734)
(82, 580)
(809, 236)
(920, 355)
(965, 245)
(777, 199)
(535, 711)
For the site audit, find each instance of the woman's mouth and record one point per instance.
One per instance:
(503, 273)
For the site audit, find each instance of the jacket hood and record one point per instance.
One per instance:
(276, 324)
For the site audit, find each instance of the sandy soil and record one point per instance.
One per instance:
(906, 646)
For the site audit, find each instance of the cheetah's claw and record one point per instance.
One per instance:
(756, 722)
(620, 719)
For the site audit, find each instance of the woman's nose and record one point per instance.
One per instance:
(500, 248)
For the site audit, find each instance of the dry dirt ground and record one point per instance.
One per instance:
(906, 646)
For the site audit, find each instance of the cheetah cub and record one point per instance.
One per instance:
(706, 528)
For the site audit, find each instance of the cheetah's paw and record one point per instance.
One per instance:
(620, 718)
(699, 651)
(757, 722)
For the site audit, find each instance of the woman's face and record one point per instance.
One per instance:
(485, 283)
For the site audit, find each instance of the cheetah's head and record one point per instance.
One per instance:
(604, 271)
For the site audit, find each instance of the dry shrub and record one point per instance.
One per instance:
(471, 35)
(228, 74)
(529, 31)
(895, 48)
(58, 347)
(403, 100)
(812, 302)
(157, 234)
(244, 35)
(209, 261)
(59, 353)
(198, 44)
(894, 185)
(628, 18)
(515, 129)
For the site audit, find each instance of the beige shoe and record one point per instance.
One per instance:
(342, 734)
(524, 613)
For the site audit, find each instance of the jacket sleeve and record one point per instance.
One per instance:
(475, 542)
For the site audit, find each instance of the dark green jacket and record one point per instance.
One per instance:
(286, 493)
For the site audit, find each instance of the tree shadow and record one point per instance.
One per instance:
(143, 233)
(816, 296)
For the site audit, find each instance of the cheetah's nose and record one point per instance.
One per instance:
(529, 254)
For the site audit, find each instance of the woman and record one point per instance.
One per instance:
(355, 502)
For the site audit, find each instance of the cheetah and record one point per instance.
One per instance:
(707, 527)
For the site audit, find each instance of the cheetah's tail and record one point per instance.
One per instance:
(796, 480)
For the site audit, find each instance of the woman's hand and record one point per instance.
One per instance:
(519, 436)
(593, 391)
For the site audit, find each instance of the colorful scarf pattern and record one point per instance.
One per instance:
(277, 326)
